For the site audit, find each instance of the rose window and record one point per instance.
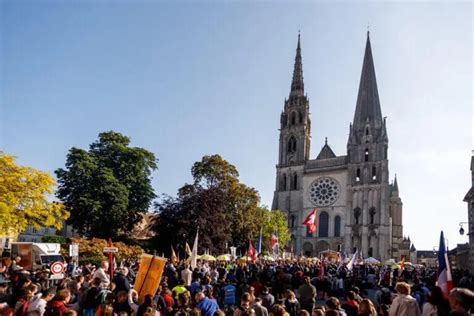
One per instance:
(324, 191)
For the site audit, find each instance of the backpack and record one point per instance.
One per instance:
(94, 297)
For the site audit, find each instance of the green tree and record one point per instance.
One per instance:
(275, 222)
(107, 188)
(226, 211)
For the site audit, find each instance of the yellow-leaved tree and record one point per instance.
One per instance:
(24, 193)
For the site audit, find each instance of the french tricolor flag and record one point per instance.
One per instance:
(445, 281)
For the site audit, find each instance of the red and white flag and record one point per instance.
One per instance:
(275, 243)
(251, 252)
(445, 281)
(310, 221)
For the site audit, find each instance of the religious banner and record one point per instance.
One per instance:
(149, 275)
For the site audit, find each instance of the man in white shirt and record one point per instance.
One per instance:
(187, 276)
(102, 274)
(37, 304)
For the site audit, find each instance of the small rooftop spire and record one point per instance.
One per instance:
(326, 141)
(297, 85)
(395, 183)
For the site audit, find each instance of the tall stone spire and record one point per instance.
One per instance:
(368, 104)
(297, 85)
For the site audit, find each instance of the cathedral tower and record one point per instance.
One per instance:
(369, 222)
(294, 143)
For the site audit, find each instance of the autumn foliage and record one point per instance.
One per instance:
(24, 194)
(93, 248)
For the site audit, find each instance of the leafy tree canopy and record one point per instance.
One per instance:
(108, 187)
(24, 198)
(226, 211)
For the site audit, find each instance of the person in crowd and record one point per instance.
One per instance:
(245, 304)
(260, 310)
(102, 274)
(57, 306)
(148, 307)
(461, 301)
(351, 306)
(208, 307)
(334, 305)
(93, 297)
(183, 308)
(179, 289)
(106, 308)
(278, 310)
(435, 303)
(37, 304)
(229, 294)
(307, 293)
(292, 306)
(404, 304)
(121, 281)
(267, 298)
(186, 275)
(121, 303)
(367, 308)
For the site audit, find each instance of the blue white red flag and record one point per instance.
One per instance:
(445, 281)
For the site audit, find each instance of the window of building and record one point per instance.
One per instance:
(371, 252)
(367, 154)
(292, 144)
(366, 131)
(292, 221)
(358, 175)
(374, 173)
(372, 215)
(357, 212)
(295, 182)
(323, 224)
(293, 118)
(337, 226)
(301, 118)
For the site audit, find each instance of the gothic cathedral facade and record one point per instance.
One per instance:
(357, 207)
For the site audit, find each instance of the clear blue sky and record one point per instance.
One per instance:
(186, 79)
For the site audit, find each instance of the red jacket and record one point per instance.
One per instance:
(55, 308)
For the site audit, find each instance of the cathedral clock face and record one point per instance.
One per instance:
(324, 191)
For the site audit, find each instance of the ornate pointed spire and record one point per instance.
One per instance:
(297, 85)
(368, 103)
(395, 184)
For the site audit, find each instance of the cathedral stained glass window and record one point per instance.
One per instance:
(324, 191)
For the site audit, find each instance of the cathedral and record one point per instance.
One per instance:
(357, 207)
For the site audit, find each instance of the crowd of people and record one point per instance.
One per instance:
(282, 288)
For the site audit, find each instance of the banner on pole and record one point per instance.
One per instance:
(149, 275)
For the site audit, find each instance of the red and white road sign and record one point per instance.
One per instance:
(57, 267)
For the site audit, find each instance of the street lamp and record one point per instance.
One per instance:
(461, 229)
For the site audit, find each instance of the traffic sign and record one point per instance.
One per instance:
(74, 250)
(58, 276)
(57, 267)
(110, 249)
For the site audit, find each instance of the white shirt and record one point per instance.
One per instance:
(103, 276)
(36, 306)
(187, 276)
